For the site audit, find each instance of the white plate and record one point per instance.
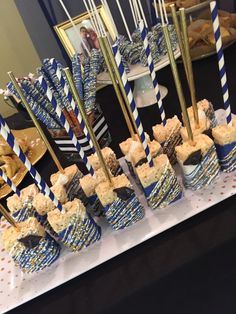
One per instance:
(17, 288)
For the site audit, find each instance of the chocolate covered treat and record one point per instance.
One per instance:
(225, 142)
(198, 161)
(31, 248)
(74, 227)
(168, 136)
(121, 206)
(203, 128)
(70, 180)
(159, 183)
(110, 160)
(21, 207)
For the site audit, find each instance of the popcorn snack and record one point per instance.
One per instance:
(31, 248)
(198, 162)
(159, 183)
(225, 143)
(74, 227)
(121, 206)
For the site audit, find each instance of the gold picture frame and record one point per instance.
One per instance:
(68, 36)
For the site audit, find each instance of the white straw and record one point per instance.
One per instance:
(161, 12)
(142, 13)
(98, 19)
(155, 6)
(108, 11)
(137, 10)
(164, 9)
(124, 21)
(90, 16)
(133, 14)
(74, 26)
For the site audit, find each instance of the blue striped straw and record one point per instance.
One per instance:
(133, 107)
(147, 48)
(9, 182)
(65, 124)
(56, 66)
(221, 61)
(10, 139)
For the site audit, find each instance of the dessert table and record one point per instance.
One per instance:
(189, 268)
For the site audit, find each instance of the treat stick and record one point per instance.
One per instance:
(7, 216)
(161, 12)
(180, 38)
(73, 25)
(156, 11)
(130, 97)
(112, 76)
(107, 52)
(42, 185)
(164, 9)
(135, 3)
(133, 13)
(68, 94)
(65, 124)
(32, 116)
(108, 11)
(143, 31)
(123, 19)
(9, 182)
(177, 81)
(142, 12)
(92, 135)
(189, 66)
(221, 61)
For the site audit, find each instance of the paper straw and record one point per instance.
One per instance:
(221, 61)
(124, 20)
(42, 185)
(65, 124)
(74, 26)
(130, 97)
(147, 48)
(9, 182)
(68, 94)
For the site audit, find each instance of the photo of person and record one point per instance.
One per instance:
(87, 39)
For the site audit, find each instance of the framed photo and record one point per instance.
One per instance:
(88, 37)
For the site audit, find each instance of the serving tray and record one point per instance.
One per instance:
(17, 288)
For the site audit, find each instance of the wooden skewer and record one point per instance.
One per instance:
(189, 66)
(7, 216)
